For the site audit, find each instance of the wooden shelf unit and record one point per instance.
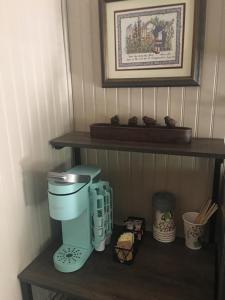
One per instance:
(160, 271)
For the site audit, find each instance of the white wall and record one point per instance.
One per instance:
(136, 177)
(34, 107)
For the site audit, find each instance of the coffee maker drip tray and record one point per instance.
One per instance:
(69, 258)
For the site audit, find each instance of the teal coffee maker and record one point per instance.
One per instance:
(83, 203)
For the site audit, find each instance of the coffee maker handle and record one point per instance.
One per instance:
(68, 178)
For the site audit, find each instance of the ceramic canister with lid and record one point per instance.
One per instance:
(164, 228)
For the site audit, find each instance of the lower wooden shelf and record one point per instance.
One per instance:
(159, 272)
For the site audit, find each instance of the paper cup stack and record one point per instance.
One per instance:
(164, 229)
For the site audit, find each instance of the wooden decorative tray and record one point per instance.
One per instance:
(155, 134)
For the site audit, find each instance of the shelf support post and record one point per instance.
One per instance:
(215, 194)
(76, 157)
(217, 232)
(217, 180)
(26, 291)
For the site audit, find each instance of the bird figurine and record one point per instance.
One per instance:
(170, 123)
(149, 122)
(115, 121)
(133, 121)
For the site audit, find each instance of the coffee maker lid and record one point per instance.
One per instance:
(92, 171)
(71, 181)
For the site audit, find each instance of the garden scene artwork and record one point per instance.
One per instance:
(150, 38)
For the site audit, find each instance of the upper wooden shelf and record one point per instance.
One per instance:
(211, 148)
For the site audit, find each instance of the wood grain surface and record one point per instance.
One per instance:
(159, 272)
(209, 148)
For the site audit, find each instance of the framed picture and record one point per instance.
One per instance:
(151, 42)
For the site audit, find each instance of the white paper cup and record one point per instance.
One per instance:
(164, 237)
(164, 240)
(193, 232)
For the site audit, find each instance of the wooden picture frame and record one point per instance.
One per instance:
(147, 44)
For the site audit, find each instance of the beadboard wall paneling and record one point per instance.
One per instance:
(135, 177)
(34, 108)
